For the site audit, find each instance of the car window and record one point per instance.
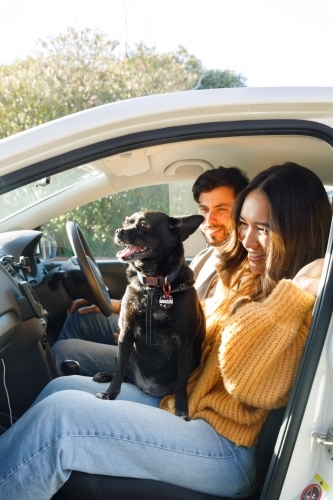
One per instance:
(26, 196)
(329, 190)
(99, 219)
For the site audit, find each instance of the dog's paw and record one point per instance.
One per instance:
(183, 415)
(105, 395)
(102, 377)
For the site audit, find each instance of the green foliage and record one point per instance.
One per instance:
(78, 70)
(215, 79)
(99, 219)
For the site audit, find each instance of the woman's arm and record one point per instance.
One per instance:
(262, 343)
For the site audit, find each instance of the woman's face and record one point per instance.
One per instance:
(253, 230)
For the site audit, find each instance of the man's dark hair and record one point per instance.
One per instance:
(222, 176)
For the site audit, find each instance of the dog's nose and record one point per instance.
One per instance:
(120, 233)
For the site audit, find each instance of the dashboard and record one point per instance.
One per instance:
(18, 256)
(24, 348)
(46, 287)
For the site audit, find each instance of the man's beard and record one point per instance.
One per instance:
(215, 240)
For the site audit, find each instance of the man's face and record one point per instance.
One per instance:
(215, 206)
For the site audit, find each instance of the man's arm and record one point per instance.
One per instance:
(85, 307)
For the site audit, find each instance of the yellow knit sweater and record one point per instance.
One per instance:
(250, 367)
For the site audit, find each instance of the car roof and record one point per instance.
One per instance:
(163, 111)
(168, 138)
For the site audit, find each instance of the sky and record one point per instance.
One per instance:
(272, 43)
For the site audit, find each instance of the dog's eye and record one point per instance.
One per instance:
(127, 222)
(144, 225)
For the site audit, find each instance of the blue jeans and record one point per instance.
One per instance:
(93, 357)
(73, 430)
(94, 327)
(88, 339)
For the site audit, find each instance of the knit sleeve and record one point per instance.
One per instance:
(262, 344)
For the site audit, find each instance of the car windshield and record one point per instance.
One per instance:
(26, 196)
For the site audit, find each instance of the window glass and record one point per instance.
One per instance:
(329, 190)
(99, 220)
(26, 196)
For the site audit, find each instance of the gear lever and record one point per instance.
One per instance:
(70, 367)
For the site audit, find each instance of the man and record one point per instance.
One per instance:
(87, 337)
(215, 192)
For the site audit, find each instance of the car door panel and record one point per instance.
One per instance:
(297, 456)
(113, 271)
(114, 275)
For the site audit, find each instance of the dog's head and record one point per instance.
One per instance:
(152, 235)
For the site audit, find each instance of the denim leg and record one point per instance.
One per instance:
(93, 357)
(73, 430)
(128, 392)
(94, 327)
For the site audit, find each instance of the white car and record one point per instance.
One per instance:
(160, 144)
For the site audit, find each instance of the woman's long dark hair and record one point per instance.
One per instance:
(300, 219)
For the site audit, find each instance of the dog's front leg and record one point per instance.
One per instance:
(124, 351)
(184, 368)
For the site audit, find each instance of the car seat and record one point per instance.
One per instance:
(82, 486)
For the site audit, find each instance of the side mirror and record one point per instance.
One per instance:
(47, 247)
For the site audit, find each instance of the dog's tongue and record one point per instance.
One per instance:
(129, 250)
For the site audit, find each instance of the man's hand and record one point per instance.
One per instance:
(116, 335)
(85, 307)
(309, 276)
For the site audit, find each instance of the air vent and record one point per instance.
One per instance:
(7, 261)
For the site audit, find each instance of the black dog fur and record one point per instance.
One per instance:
(157, 347)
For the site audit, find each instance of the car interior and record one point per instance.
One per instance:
(46, 262)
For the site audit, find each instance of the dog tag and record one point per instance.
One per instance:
(166, 302)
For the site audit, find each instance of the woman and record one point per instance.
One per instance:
(255, 338)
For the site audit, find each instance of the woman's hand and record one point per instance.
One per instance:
(309, 276)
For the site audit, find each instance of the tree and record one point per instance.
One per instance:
(79, 70)
(82, 69)
(215, 79)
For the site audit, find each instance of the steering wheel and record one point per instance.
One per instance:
(89, 268)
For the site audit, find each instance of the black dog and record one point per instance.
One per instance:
(162, 324)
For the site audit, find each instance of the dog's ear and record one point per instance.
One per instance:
(186, 225)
